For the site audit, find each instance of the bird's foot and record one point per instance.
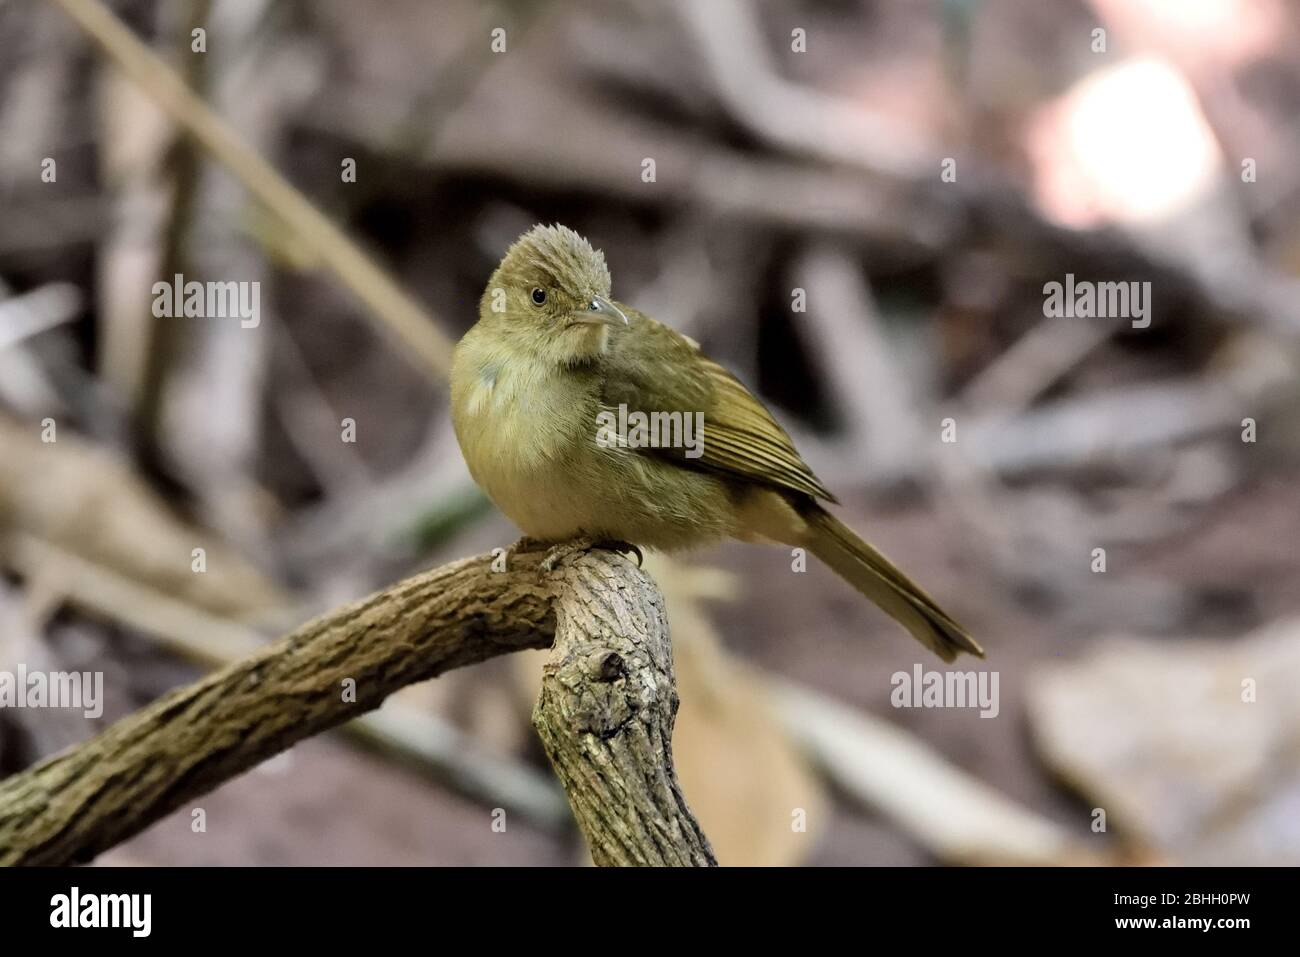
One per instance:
(563, 550)
(528, 544)
(558, 553)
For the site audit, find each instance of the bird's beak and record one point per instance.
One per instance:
(599, 312)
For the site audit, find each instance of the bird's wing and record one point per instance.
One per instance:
(652, 368)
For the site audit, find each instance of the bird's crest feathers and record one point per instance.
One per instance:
(561, 254)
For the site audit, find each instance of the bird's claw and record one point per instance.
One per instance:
(527, 544)
(562, 551)
(623, 548)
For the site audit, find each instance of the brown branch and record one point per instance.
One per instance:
(605, 716)
(400, 732)
(84, 800)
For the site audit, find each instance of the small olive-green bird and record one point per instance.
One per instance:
(552, 351)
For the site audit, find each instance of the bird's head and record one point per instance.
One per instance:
(552, 292)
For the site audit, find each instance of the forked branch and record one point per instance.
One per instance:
(607, 731)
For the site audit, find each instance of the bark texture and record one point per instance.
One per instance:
(605, 716)
(607, 730)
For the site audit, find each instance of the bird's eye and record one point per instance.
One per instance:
(539, 296)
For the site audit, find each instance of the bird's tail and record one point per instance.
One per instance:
(876, 577)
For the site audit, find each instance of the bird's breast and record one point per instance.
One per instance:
(530, 436)
(526, 439)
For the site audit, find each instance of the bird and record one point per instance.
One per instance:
(543, 387)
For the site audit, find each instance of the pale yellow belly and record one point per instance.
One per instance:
(531, 445)
(610, 494)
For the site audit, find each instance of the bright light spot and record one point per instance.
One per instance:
(1127, 144)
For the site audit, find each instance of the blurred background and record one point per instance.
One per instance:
(853, 204)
